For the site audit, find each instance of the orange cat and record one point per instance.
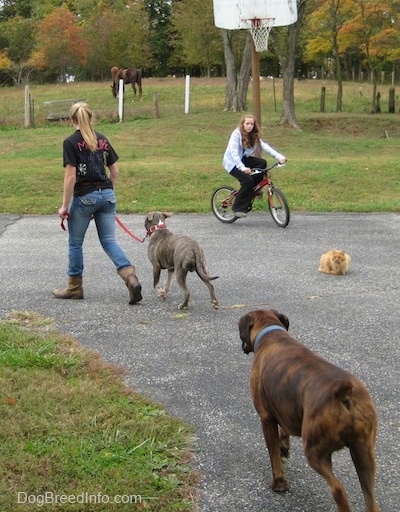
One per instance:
(335, 262)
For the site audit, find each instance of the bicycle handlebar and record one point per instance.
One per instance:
(259, 171)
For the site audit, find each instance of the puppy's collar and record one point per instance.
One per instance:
(265, 331)
(155, 228)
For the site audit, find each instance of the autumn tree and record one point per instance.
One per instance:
(61, 46)
(325, 23)
(371, 20)
(19, 34)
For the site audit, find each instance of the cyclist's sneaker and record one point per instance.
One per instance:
(240, 215)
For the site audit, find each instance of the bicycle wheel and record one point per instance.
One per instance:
(221, 204)
(278, 207)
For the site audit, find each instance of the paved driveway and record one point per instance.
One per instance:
(192, 362)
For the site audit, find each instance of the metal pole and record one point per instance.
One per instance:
(27, 122)
(187, 93)
(121, 100)
(255, 73)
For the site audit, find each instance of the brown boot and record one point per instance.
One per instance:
(74, 289)
(129, 276)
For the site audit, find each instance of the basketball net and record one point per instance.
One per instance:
(260, 29)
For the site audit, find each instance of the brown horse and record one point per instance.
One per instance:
(131, 76)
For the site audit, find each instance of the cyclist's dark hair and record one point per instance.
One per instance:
(249, 140)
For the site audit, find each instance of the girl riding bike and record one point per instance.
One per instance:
(238, 160)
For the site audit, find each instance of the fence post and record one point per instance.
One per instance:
(156, 109)
(322, 100)
(27, 122)
(121, 100)
(187, 92)
(391, 101)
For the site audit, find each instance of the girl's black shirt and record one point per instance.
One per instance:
(91, 166)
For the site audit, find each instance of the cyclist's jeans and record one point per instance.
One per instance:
(243, 199)
(101, 205)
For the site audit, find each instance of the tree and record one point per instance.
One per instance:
(285, 44)
(61, 46)
(238, 68)
(99, 30)
(160, 37)
(20, 34)
(198, 40)
(130, 44)
(371, 19)
(363, 29)
(326, 21)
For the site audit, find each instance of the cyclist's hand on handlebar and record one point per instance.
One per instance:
(247, 170)
(282, 161)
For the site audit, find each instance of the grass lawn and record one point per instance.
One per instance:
(337, 162)
(73, 430)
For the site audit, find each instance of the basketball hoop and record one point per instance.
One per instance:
(260, 29)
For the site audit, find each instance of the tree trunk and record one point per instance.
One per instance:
(244, 74)
(374, 109)
(288, 116)
(237, 80)
(287, 60)
(339, 74)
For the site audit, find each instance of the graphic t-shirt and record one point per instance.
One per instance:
(91, 166)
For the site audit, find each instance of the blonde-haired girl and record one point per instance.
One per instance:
(89, 193)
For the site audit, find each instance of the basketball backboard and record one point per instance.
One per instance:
(234, 14)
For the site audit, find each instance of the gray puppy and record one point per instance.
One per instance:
(176, 253)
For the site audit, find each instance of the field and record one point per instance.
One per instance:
(337, 162)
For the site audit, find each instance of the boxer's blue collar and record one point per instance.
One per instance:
(264, 331)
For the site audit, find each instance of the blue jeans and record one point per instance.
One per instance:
(102, 206)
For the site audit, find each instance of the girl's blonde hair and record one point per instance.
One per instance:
(249, 140)
(81, 114)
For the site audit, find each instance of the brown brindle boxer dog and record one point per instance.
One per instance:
(296, 392)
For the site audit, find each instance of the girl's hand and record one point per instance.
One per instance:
(63, 213)
(247, 170)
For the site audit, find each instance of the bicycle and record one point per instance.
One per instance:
(223, 197)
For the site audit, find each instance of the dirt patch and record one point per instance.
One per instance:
(367, 125)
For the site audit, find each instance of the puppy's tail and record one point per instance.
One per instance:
(201, 269)
(202, 273)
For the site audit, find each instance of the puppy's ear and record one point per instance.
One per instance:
(150, 216)
(166, 214)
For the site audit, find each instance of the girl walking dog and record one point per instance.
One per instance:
(89, 193)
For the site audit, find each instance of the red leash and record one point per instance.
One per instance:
(132, 235)
(118, 221)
